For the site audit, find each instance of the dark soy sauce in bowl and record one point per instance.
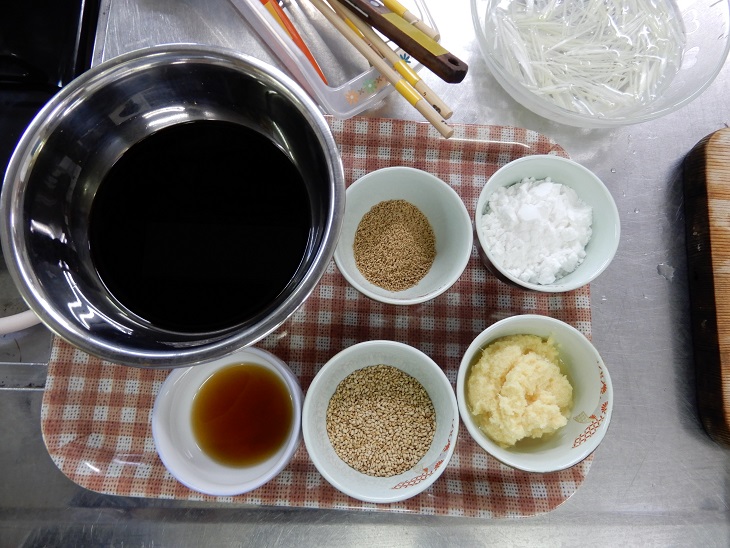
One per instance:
(199, 226)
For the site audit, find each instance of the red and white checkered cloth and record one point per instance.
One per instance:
(96, 415)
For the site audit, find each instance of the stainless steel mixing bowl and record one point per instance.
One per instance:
(64, 155)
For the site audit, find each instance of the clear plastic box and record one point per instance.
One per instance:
(353, 86)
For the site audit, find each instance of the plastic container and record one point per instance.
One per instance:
(352, 85)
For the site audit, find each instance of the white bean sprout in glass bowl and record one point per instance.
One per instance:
(593, 63)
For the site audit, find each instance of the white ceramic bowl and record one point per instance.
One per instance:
(176, 444)
(592, 397)
(445, 211)
(345, 478)
(606, 227)
(705, 50)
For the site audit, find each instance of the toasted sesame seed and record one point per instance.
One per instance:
(380, 421)
(394, 245)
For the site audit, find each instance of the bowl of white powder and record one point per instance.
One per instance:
(546, 223)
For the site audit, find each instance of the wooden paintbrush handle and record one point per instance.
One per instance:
(413, 41)
(397, 7)
(405, 89)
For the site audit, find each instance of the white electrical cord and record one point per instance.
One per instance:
(18, 322)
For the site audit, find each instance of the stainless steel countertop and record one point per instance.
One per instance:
(656, 480)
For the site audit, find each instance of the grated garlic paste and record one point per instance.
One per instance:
(516, 390)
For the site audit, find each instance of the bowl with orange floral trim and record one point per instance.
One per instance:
(534, 393)
(380, 421)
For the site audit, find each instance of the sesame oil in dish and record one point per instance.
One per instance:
(242, 415)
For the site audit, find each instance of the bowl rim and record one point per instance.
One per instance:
(610, 205)
(311, 432)
(562, 115)
(510, 458)
(439, 185)
(167, 401)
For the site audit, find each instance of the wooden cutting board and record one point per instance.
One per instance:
(706, 173)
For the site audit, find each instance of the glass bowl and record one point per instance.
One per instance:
(558, 59)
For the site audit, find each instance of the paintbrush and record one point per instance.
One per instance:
(400, 9)
(276, 11)
(379, 45)
(398, 82)
(413, 41)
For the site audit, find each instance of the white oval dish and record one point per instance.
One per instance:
(173, 434)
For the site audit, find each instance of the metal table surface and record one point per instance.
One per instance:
(656, 480)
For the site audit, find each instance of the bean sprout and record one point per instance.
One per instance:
(595, 57)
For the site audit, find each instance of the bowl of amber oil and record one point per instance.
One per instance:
(406, 236)
(230, 425)
(546, 223)
(534, 393)
(380, 421)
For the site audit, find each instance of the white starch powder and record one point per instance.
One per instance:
(537, 230)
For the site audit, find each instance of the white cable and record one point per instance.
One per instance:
(18, 322)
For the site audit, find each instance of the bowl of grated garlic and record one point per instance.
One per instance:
(546, 223)
(406, 236)
(534, 393)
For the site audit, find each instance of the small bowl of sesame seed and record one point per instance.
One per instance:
(380, 421)
(406, 236)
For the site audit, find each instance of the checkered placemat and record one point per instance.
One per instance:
(96, 415)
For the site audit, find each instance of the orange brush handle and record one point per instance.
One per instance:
(275, 10)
